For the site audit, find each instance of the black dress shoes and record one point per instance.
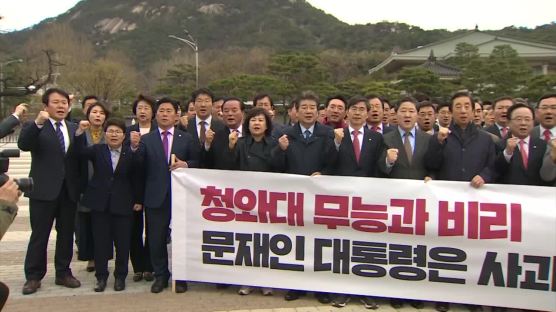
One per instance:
(181, 287)
(323, 297)
(101, 285)
(442, 306)
(396, 303)
(137, 277)
(148, 276)
(30, 287)
(68, 281)
(159, 285)
(119, 284)
(417, 304)
(294, 295)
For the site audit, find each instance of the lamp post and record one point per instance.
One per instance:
(192, 43)
(2, 64)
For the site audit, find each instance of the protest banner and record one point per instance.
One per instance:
(438, 241)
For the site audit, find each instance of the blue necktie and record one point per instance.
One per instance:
(307, 134)
(60, 136)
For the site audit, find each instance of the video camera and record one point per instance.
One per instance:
(25, 184)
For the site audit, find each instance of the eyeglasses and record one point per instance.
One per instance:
(544, 108)
(523, 119)
(114, 132)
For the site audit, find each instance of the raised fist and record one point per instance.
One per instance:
(84, 125)
(392, 155)
(134, 138)
(511, 145)
(209, 136)
(283, 142)
(338, 135)
(42, 117)
(443, 134)
(184, 121)
(21, 110)
(233, 139)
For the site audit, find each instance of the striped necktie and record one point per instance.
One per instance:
(60, 136)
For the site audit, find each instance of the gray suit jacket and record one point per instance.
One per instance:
(536, 132)
(548, 168)
(402, 169)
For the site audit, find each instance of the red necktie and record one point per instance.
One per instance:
(523, 153)
(504, 132)
(375, 128)
(546, 134)
(203, 133)
(165, 143)
(356, 145)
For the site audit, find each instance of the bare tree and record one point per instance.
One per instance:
(36, 78)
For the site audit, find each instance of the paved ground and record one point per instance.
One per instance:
(137, 296)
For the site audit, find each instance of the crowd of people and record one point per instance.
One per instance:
(110, 183)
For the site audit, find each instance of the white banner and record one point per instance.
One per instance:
(438, 241)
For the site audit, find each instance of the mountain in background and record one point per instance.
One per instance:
(140, 29)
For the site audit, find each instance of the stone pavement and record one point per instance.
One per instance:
(137, 296)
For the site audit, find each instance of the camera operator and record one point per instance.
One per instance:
(9, 195)
(9, 123)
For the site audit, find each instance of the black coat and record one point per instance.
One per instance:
(318, 154)
(248, 155)
(371, 149)
(50, 167)
(463, 155)
(111, 191)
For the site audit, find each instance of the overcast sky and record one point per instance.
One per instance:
(427, 14)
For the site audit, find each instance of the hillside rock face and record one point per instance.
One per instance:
(140, 29)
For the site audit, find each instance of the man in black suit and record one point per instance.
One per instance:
(55, 172)
(197, 126)
(405, 156)
(376, 114)
(112, 195)
(358, 147)
(500, 127)
(217, 142)
(308, 149)
(156, 150)
(521, 160)
(359, 150)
